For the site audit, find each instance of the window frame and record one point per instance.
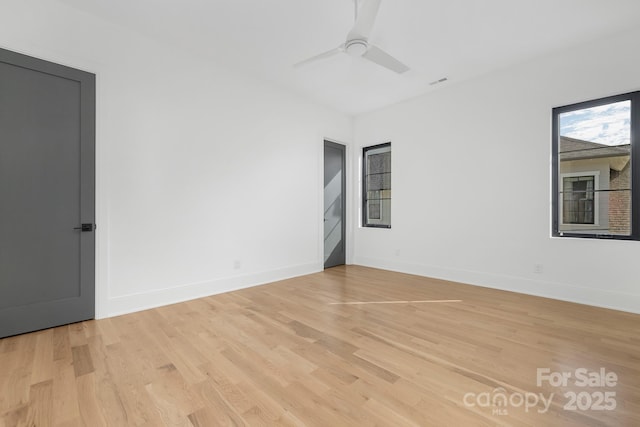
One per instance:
(365, 218)
(556, 220)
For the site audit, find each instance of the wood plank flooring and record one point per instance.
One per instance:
(293, 353)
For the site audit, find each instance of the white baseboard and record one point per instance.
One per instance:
(142, 301)
(559, 291)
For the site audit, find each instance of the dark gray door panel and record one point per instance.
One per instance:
(47, 151)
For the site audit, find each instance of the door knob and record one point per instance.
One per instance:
(85, 227)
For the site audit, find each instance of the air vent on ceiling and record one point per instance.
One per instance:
(437, 82)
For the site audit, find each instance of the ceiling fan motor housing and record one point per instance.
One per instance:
(356, 47)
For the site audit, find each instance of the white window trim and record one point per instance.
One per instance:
(596, 196)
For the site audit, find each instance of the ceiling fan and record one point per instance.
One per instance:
(357, 43)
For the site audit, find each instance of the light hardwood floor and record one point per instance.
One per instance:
(290, 353)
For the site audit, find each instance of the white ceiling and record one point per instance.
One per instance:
(457, 39)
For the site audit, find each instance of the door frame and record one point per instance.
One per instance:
(346, 201)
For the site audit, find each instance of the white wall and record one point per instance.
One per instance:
(198, 167)
(471, 181)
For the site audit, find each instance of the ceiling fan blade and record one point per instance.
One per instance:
(366, 18)
(323, 55)
(382, 58)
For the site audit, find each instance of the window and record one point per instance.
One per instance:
(579, 198)
(595, 158)
(376, 186)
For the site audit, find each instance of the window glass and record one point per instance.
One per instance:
(377, 186)
(593, 168)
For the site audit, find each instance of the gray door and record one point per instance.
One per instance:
(47, 150)
(334, 204)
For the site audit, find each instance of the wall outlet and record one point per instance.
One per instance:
(237, 264)
(538, 268)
